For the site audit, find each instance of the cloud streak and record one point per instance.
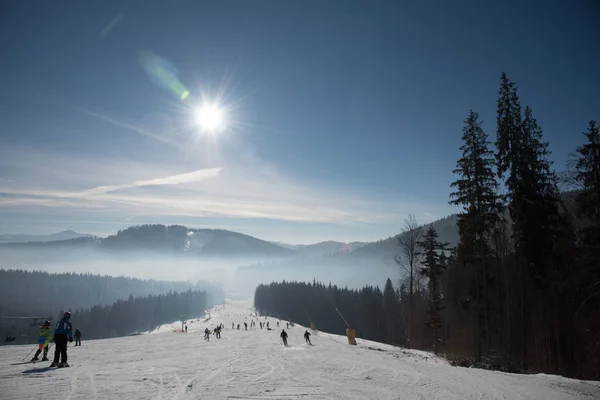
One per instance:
(194, 176)
(249, 188)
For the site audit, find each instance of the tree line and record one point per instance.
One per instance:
(521, 289)
(139, 314)
(121, 318)
(42, 294)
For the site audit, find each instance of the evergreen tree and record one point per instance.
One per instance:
(391, 307)
(587, 175)
(476, 192)
(433, 266)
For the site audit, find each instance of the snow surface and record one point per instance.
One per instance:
(168, 364)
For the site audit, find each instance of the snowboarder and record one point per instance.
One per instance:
(77, 337)
(307, 337)
(245, 325)
(284, 337)
(206, 334)
(44, 336)
(62, 333)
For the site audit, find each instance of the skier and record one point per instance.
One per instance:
(77, 337)
(207, 334)
(238, 327)
(186, 329)
(307, 337)
(245, 325)
(288, 325)
(284, 337)
(62, 332)
(233, 325)
(44, 336)
(261, 325)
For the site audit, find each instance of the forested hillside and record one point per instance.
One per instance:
(121, 318)
(519, 290)
(41, 294)
(139, 314)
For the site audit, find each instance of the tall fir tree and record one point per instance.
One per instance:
(476, 191)
(587, 175)
(433, 266)
(539, 200)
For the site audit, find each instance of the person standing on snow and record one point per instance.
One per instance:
(77, 337)
(307, 337)
(207, 334)
(245, 326)
(62, 333)
(284, 337)
(44, 336)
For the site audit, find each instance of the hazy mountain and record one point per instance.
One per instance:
(22, 238)
(386, 249)
(328, 247)
(170, 239)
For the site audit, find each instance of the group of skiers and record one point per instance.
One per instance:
(62, 334)
(283, 334)
(284, 337)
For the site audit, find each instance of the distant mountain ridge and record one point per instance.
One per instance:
(172, 239)
(24, 238)
(322, 248)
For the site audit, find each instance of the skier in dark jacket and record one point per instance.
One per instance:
(206, 334)
(307, 337)
(62, 333)
(284, 337)
(77, 337)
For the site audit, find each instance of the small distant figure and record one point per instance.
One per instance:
(62, 333)
(278, 324)
(267, 325)
(186, 329)
(288, 325)
(307, 337)
(44, 337)
(284, 337)
(77, 337)
(261, 325)
(232, 325)
(238, 327)
(245, 326)
(218, 332)
(207, 335)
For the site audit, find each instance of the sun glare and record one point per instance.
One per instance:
(210, 118)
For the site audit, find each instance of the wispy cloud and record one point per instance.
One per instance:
(245, 187)
(194, 176)
(131, 127)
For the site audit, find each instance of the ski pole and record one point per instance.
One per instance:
(30, 352)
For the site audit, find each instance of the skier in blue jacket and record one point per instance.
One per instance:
(62, 333)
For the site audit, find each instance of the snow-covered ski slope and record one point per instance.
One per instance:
(255, 365)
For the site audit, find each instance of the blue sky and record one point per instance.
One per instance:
(342, 116)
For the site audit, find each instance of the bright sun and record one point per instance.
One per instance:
(209, 118)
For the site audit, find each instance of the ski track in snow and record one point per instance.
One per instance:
(254, 364)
